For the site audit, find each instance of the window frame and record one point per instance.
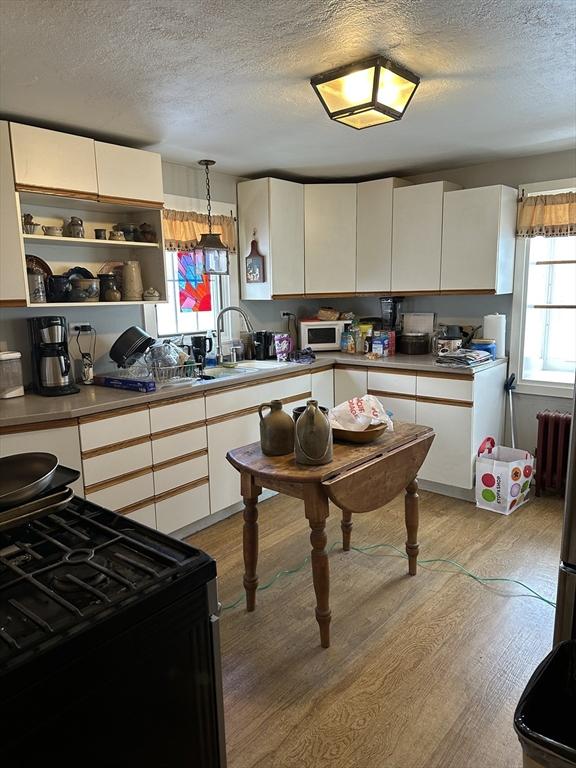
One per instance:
(181, 203)
(517, 331)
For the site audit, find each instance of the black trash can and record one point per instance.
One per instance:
(545, 718)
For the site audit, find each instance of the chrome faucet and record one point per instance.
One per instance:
(220, 329)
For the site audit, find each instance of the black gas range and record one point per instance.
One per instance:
(109, 645)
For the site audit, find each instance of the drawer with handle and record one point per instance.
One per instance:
(116, 495)
(107, 463)
(115, 427)
(178, 442)
(182, 506)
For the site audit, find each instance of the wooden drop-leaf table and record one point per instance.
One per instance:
(360, 478)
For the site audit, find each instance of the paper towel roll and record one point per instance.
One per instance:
(495, 328)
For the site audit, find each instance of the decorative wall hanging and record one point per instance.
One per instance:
(193, 283)
(255, 263)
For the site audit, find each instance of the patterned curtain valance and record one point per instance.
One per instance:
(183, 229)
(547, 215)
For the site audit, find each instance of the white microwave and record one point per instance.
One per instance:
(322, 335)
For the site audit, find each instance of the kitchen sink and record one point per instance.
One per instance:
(221, 372)
(261, 365)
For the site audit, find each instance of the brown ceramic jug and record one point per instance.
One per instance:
(313, 441)
(276, 430)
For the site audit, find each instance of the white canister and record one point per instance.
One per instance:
(11, 375)
(132, 287)
(495, 328)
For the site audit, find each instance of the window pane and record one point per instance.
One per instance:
(560, 351)
(171, 321)
(550, 334)
(563, 288)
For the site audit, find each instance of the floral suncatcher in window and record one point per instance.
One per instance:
(193, 284)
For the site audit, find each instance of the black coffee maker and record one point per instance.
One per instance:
(201, 347)
(51, 367)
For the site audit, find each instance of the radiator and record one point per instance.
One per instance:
(552, 451)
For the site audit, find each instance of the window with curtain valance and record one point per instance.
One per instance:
(547, 215)
(544, 311)
(183, 229)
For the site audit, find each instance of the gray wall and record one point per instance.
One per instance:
(109, 322)
(187, 181)
(511, 171)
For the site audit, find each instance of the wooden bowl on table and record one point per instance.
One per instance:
(365, 436)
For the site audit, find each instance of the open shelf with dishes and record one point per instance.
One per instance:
(49, 249)
(59, 241)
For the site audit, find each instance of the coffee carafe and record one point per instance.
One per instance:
(51, 366)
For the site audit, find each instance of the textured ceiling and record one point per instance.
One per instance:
(229, 79)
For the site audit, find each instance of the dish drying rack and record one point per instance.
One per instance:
(161, 375)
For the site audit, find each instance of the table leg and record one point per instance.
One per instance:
(346, 526)
(250, 493)
(411, 517)
(316, 509)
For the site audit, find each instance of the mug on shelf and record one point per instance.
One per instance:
(100, 234)
(36, 288)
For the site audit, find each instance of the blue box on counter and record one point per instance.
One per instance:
(136, 385)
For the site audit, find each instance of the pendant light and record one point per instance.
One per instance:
(366, 93)
(211, 250)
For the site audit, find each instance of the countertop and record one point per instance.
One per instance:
(32, 408)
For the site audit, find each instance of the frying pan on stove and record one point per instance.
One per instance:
(24, 475)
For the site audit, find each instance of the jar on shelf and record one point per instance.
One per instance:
(132, 281)
(109, 290)
(11, 375)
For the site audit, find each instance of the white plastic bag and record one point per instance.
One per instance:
(503, 477)
(359, 413)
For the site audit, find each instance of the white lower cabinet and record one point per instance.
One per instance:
(450, 460)
(349, 383)
(125, 493)
(401, 408)
(180, 473)
(181, 507)
(63, 442)
(323, 388)
(145, 515)
(105, 466)
(223, 437)
(178, 443)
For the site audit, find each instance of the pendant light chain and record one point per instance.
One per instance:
(206, 167)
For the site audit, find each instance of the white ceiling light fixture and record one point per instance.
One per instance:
(369, 92)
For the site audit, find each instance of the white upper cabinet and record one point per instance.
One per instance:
(274, 210)
(417, 236)
(478, 239)
(53, 160)
(374, 234)
(12, 275)
(129, 174)
(330, 238)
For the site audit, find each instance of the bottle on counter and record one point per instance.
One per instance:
(377, 344)
(368, 341)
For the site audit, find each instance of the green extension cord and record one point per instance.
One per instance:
(421, 563)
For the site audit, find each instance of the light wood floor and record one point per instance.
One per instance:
(423, 672)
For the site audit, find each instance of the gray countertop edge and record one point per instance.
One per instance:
(92, 399)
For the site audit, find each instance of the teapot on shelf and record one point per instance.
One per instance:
(74, 227)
